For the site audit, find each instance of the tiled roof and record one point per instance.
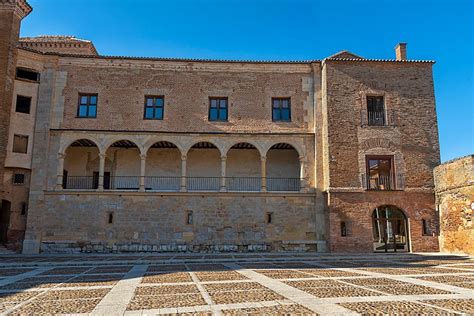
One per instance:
(227, 60)
(381, 60)
(60, 44)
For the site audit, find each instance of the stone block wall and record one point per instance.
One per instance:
(455, 197)
(158, 222)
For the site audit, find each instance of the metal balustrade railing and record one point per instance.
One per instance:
(162, 183)
(380, 183)
(238, 184)
(283, 184)
(378, 118)
(80, 183)
(124, 183)
(173, 183)
(203, 183)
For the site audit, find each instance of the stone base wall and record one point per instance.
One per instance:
(80, 222)
(355, 209)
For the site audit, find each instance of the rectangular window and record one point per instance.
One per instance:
(154, 107)
(24, 208)
(375, 111)
(20, 144)
(19, 178)
(269, 217)
(426, 227)
(379, 173)
(23, 104)
(87, 105)
(189, 218)
(27, 74)
(217, 109)
(281, 109)
(343, 229)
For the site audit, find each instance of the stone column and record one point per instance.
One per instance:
(101, 172)
(263, 171)
(60, 171)
(183, 173)
(142, 172)
(302, 177)
(223, 174)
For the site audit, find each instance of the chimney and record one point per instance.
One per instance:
(401, 51)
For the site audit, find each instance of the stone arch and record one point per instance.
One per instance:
(296, 147)
(194, 142)
(111, 141)
(69, 141)
(78, 168)
(154, 140)
(284, 167)
(257, 146)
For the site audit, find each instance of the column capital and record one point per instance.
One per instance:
(263, 158)
(223, 158)
(143, 156)
(61, 155)
(184, 157)
(102, 156)
(302, 158)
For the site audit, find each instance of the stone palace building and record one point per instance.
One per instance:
(113, 153)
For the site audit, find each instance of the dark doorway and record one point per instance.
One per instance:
(106, 180)
(390, 229)
(4, 220)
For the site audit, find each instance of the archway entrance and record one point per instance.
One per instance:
(390, 229)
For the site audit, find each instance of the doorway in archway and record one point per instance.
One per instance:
(390, 229)
(4, 220)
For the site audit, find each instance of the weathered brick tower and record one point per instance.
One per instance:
(11, 14)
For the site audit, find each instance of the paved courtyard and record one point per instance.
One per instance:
(236, 284)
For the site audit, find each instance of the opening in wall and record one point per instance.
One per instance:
(27, 74)
(189, 217)
(375, 111)
(19, 178)
(23, 104)
(343, 229)
(24, 208)
(111, 218)
(426, 227)
(269, 218)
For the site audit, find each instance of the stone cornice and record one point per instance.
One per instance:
(21, 7)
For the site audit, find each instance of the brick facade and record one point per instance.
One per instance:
(119, 182)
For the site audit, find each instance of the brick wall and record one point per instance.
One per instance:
(410, 137)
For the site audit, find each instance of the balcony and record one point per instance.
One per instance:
(164, 168)
(193, 184)
(378, 118)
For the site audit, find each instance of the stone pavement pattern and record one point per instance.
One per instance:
(236, 284)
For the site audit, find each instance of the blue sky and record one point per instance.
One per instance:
(286, 30)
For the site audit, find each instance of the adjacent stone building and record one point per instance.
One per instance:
(455, 199)
(109, 153)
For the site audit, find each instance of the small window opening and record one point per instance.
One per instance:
(426, 227)
(269, 217)
(27, 74)
(19, 178)
(111, 218)
(23, 104)
(343, 229)
(24, 208)
(189, 218)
